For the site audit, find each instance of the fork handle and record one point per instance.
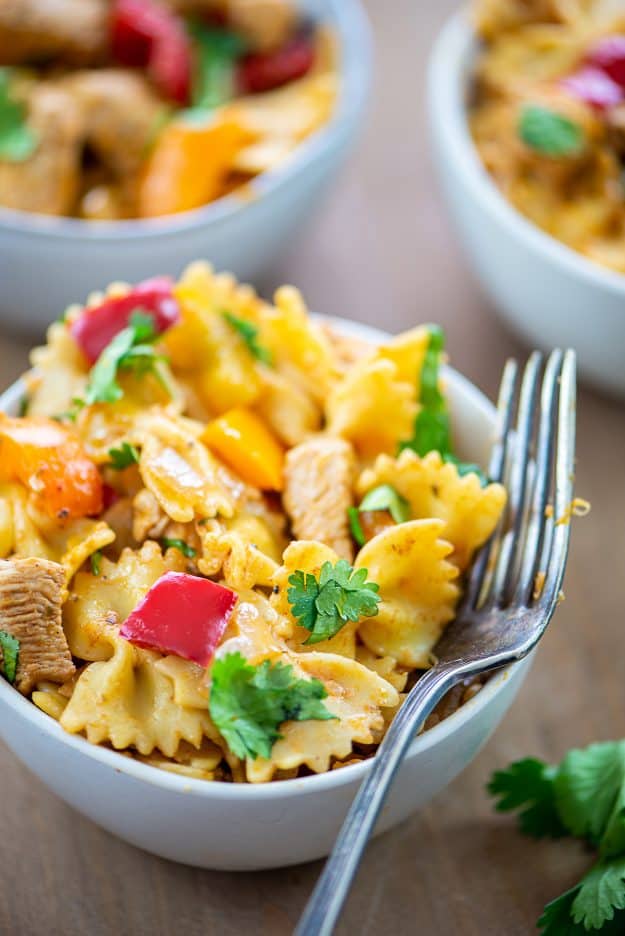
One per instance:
(327, 899)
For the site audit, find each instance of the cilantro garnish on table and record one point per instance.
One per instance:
(432, 427)
(249, 333)
(187, 551)
(584, 797)
(17, 140)
(10, 647)
(549, 133)
(325, 605)
(249, 703)
(123, 457)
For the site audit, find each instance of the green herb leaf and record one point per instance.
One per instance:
(171, 543)
(249, 703)
(340, 595)
(355, 526)
(17, 140)
(123, 457)
(465, 468)
(23, 406)
(216, 54)
(96, 562)
(549, 133)
(130, 349)
(528, 785)
(385, 497)
(249, 333)
(602, 892)
(587, 787)
(10, 647)
(556, 919)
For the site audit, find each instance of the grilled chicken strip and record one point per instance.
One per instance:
(72, 31)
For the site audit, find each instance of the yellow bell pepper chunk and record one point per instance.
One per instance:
(188, 165)
(245, 444)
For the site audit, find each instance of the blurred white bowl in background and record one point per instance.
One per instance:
(47, 263)
(549, 294)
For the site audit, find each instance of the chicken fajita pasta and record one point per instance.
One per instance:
(120, 109)
(548, 116)
(229, 537)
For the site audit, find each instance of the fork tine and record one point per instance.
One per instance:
(517, 470)
(496, 469)
(542, 481)
(559, 526)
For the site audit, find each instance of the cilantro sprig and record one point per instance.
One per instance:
(214, 81)
(187, 551)
(123, 457)
(549, 133)
(249, 333)
(432, 427)
(10, 647)
(324, 605)
(584, 796)
(249, 703)
(18, 141)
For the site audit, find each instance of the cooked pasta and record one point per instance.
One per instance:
(256, 538)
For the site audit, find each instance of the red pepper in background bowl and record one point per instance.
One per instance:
(263, 72)
(96, 326)
(594, 87)
(608, 54)
(181, 614)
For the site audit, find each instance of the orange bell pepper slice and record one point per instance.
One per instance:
(188, 166)
(245, 444)
(49, 459)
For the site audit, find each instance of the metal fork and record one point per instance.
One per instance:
(511, 594)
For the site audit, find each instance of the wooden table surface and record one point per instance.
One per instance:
(381, 251)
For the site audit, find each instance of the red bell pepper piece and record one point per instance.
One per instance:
(181, 614)
(96, 326)
(262, 72)
(145, 34)
(594, 87)
(609, 55)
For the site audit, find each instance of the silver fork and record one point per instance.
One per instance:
(511, 594)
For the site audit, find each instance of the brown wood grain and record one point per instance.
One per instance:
(382, 251)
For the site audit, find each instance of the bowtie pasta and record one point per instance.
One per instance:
(230, 539)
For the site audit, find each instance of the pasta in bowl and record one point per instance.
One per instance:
(227, 568)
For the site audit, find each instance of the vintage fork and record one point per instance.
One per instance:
(511, 594)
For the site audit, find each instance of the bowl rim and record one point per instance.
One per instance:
(449, 75)
(353, 30)
(275, 789)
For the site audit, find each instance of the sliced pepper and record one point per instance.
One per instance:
(181, 614)
(263, 72)
(245, 444)
(188, 165)
(96, 326)
(49, 459)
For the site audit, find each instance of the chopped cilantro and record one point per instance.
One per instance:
(385, 497)
(171, 543)
(17, 140)
(549, 133)
(356, 526)
(123, 457)
(23, 405)
(249, 333)
(216, 53)
(96, 562)
(249, 703)
(131, 348)
(10, 647)
(324, 606)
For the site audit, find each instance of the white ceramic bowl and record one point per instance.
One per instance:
(248, 827)
(46, 263)
(549, 294)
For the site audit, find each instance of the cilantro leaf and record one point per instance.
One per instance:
(548, 132)
(528, 785)
(172, 543)
(10, 647)
(249, 333)
(355, 526)
(556, 919)
(17, 140)
(587, 787)
(123, 457)
(249, 703)
(385, 497)
(96, 562)
(130, 348)
(602, 892)
(324, 606)
(216, 53)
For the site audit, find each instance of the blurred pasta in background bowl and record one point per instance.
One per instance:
(137, 134)
(231, 536)
(534, 95)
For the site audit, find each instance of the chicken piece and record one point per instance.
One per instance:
(30, 610)
(318, 477)
(47, 181)
(74, 31)
(120, 114)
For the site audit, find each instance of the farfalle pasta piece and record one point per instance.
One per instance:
(410, 563)
(226, 551)
(87, 537)
(201, 764)
(128, 702)
(435, 489)
(20, 532)
(60, 374)
(287, 409)
(407, 352)
(372, 407)
(180, 471)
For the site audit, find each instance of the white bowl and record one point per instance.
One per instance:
(247, 827)
(549, 294)
(47, 263)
